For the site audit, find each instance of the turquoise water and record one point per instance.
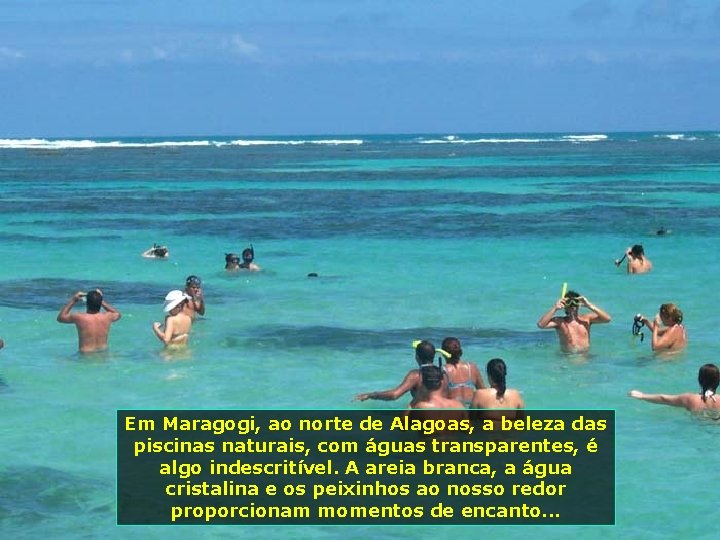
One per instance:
(412, 236)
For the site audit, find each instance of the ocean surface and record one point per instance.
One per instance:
(412, 237)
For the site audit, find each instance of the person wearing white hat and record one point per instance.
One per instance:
(176, 329)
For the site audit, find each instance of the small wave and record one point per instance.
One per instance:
(71, 144)
(457, 140)
(675, 137)
(585, 138)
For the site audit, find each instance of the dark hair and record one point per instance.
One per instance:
(425, 352)
(431, 377)
(193, 280)
(709, 379)
(452, 346)
(94, 301)
(497, 372)
(160, 251)
(230, 256)
(248, 254)
(637, 251)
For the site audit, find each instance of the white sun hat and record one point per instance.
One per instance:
(173, 299)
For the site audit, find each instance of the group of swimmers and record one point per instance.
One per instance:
(232, 260)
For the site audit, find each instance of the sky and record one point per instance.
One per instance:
(84, 68)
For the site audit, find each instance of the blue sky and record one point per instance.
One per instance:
(262, 67)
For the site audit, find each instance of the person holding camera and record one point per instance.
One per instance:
(668, 332)
(573, 329)
(637, 262)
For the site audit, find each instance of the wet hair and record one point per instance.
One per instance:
(571, 299)
(230, 256)
(94, 301)
(637, 251)
(248, 254)
(193, 280)
(452, 345)
(709, 379)
(425, 352)
(160, 251)
(497, 372)
(431, 377)
(673, 312)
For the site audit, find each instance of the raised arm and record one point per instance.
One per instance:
(64, 316)
(548, 319)
(598, 315)
(164, 335)
(409, 382)
(115, 314)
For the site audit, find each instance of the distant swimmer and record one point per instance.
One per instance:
(498, 395)
(573, 329)
(2, 343)
(662, 231)
(232, 262)
(156, 252)
(196, 303)
(175, 330)
(93, 327)
(424, 356)
(463, 377)
(637, 262)
(708, 379)
(248, 256)
(434, 398)
(668, 332)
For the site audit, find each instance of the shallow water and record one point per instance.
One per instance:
(411, 239)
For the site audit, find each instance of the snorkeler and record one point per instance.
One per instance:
(193, 289)
(156, 252)
(708, 379)
(637, 262)
(424, 356)
(176, 328)
(248, 255)
(573, 329)
(463, 377)
(93, 326)
(668, 331)
(232, 262)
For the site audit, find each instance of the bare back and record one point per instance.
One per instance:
(93, 330)
(487, 398)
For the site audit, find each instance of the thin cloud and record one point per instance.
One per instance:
(11, 54)
(240, 47)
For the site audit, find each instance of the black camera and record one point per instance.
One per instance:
(638, 323)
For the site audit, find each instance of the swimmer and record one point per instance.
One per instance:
(424, 356)
(498, 396)
(93, 326)
(434, 398)
(175, 330)
(668, 332)
(193, 289)
(248, 255)
(463, 377)
(637, 262)
(232, 262)
(708, 379)
(573, 329)
(156, 252)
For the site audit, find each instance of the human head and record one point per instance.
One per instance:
(425, 352)
(431, 377)
(94, 301)
(231, 259)
(571, 300)
(497, 372)
(173, 300)
(248, 254)
(709, 379)
(160, 251)
(637, 251)
(452, 346)
(193, 281)
(671, 313)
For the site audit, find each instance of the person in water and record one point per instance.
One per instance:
(573, 329)
(668, 331)
(93, 326)
(232, 262)
(708, 379)
(433, 398)
(498, 395)
(463, 377)
(425, 357)
(175, 330)
(156, 252)
(196, 302)
(637, 262)
(248, 256)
